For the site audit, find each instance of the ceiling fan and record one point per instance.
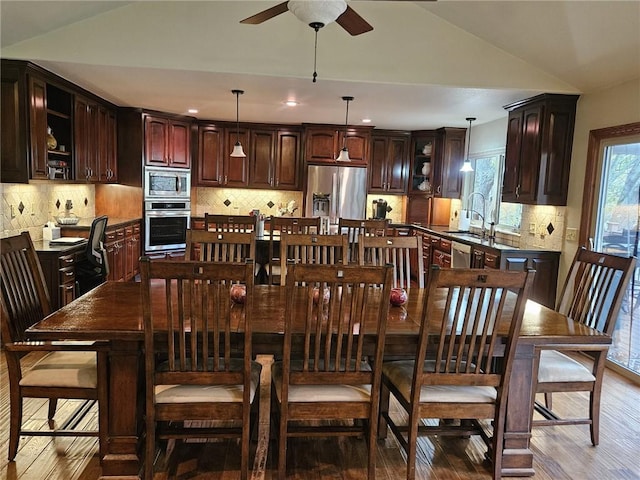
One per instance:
(316, 14)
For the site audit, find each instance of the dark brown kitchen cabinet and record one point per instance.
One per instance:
(132, 245)
(86, 139)
(449, 159)
(262, 148)
(210, 169)
(388, 167)
(37, 103)
(95, 133)
(272, 161)
(236, 169)
(538, 149)
(287, 159)
(107, 146)
(58, 268)
(421, 162)
(324, 142)
(167, 142)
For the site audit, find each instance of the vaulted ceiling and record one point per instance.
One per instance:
(424, 65)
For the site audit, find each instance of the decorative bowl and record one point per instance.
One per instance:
(67, 220)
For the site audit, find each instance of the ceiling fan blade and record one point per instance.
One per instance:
(266, 14)
(353, 23)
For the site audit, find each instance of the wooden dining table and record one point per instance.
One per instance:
(113, 312)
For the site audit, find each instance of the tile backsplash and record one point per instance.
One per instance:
(30, 206)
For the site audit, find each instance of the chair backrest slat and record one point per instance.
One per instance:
(291, 226)
(230, 223)
(594, 288)
(25, 297)
(312, 249)
(354, 228)
(210, 246)
(477, 329)
(192, 332)
(331, 327)
(396, 251)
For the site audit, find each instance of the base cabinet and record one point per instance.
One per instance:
(59, 272)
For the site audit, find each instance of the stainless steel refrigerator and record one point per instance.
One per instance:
(336, 192)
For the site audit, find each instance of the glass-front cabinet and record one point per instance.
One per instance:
(422, 164)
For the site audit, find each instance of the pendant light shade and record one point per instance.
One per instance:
(237, 148)
(344, 153)
(466, 166)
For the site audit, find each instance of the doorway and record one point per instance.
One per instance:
(613, 178)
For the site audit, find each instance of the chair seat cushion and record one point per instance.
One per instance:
(558, 367)
(400, 373)
(319, 393)
(208, 393)
(63, 369)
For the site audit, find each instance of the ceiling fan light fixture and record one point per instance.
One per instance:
(237, 148)
(344, 153)
(317, 11)
(466, 166)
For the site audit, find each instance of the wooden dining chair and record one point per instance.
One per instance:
(455, 376)
(397, 251)
(311, 248)
(196, 367)
(355, 228)
(592, 295)
(230, 223)
(331, 380)
(65, 369)
(292, 226)
(211, 246)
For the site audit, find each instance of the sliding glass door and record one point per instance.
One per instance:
(616, 230)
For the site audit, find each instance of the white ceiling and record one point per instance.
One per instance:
(425, 64)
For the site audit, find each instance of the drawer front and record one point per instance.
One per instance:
(491, 260)
(65, 261)
(110, 236)
(67, 275)
(445, 245)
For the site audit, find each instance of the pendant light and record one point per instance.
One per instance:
(466, 166)
(237, 148)
(344, 153)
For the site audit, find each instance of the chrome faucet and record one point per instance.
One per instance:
(481, 215)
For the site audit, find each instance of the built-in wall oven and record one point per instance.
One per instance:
(165, 224)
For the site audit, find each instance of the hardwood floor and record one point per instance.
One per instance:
(560, 453)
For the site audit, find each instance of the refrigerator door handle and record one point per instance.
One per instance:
(335, 191)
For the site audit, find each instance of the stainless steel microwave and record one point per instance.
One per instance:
(167, 183)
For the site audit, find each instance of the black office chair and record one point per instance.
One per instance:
(93, 269)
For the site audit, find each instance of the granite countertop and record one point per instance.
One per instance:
(85, 223)
(473, 239)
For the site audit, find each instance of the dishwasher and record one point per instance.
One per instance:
(460, 255)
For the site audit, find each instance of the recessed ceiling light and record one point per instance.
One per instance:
(291, 103)
(193, 110)
(366, 120)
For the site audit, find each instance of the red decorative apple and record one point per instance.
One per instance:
(238, 293)
(398, 297)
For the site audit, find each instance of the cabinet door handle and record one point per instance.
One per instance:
(517, 191)
(225, 179)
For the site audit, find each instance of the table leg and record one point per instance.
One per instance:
(517, 457)
(121, 459)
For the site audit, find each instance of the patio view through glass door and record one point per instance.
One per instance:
(617, 231)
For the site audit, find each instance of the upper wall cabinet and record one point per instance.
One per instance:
(324, 142)
(272, 161)
(388, 168)
(167, 142)
(449, 159)
(437, 157)
(45, 119)
(95, 141)
(538, 151)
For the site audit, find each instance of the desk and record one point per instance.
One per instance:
(113, 312)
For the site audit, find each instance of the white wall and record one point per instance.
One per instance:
(614, 106)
